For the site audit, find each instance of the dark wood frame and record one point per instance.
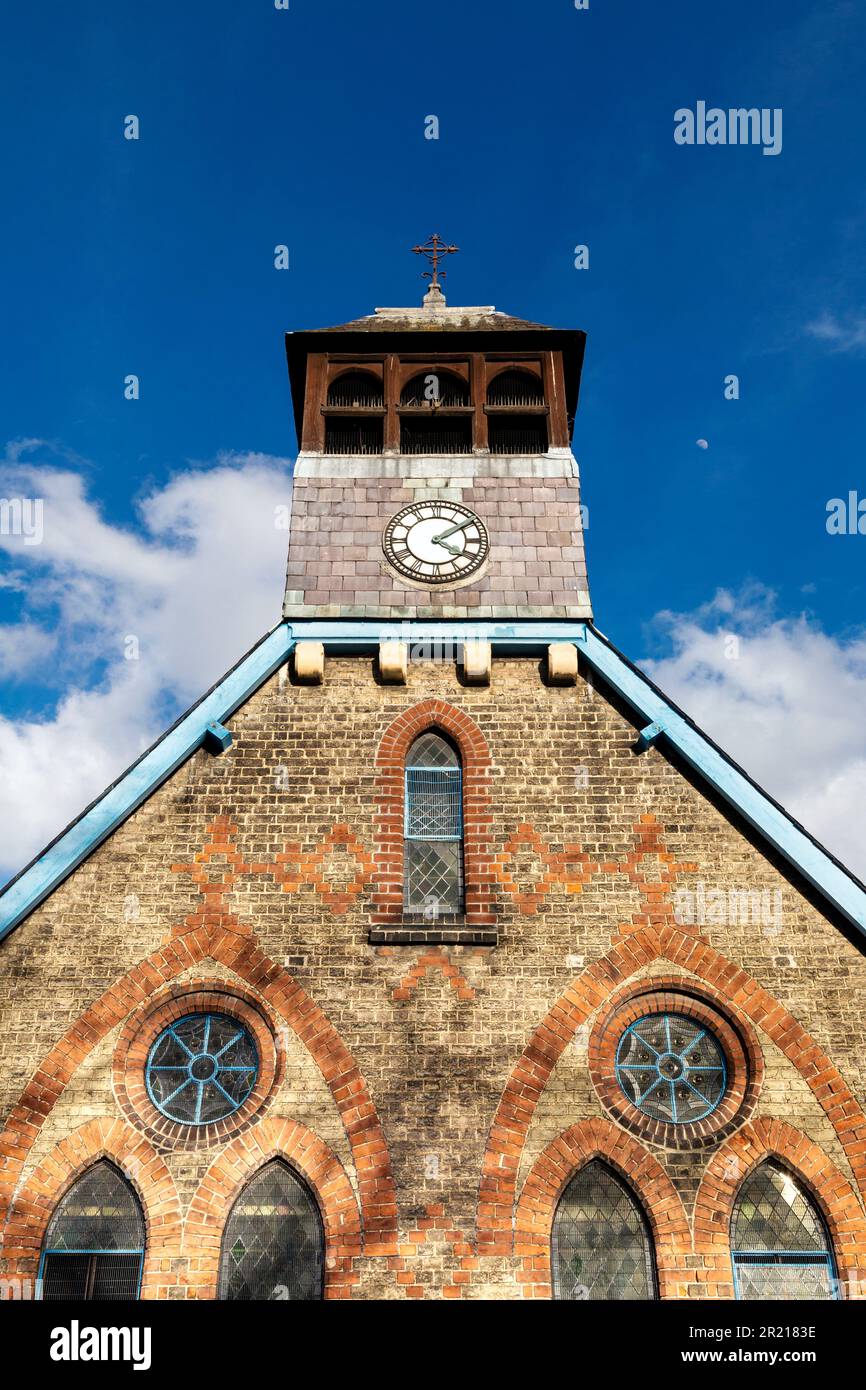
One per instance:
(395, 369)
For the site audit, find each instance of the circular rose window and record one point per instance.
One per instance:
(671, 1068)
(201, 1068)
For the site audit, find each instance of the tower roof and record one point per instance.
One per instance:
(437, 317)
(480, 327)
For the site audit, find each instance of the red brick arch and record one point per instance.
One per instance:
(141, 1166)
(744, 998)
(238, 953)
(232, 1170)
(728, 1169)
(551, 1172)
(478, 820)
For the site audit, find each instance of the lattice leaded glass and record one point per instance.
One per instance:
(273, 1246)
(94, 1245)
(601, 1247)
(779, 1243)
(433, 827)
(201, 1068)
(671, 1068)
(99, 1212)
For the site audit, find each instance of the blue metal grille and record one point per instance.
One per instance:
(671, 1068)
(433, 803)
(94, 1245)
(779, 1243)
(201, 1069)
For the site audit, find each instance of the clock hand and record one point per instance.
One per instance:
(446, 546)
(461, 526)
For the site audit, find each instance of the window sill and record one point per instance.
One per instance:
(414, 929)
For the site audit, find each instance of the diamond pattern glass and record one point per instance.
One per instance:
(601, 1246)
(434, 879)
(98, 1218)
(432, 750)
(433, 828)
(273, 1246)
(671, 1068)
(201, 1068)
(99, 1212)
(433, 803)
(779, 1243)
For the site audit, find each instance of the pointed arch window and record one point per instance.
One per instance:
(274, 1242)
(433, 828)
(601, 1246)
(94, 1245)
(780, 1246)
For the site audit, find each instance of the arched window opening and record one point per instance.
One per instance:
(274, 1243)
(515, 387)
(433, 828)
(94, 1245)
(423, 430)
(434, 388)
(354, 390)
(601, 1247)
(780, 1246)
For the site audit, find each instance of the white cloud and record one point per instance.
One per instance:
(785, 701)
(24, 648)
(196, 582)
(840, 337)
(199, 579)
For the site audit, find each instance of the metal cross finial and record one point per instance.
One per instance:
(434, 248)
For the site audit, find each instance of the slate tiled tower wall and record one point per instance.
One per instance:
(531, 507)
(424, 1090)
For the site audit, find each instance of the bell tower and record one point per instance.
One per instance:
(435, 477)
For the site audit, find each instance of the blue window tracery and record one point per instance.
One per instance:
(671, 1068)
(201, 1068)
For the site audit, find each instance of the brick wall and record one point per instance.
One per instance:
(436, 1097)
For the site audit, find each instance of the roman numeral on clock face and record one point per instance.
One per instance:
(434, 542)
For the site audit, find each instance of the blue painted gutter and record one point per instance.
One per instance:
(661, 722)
(772, 821)
(34, 883)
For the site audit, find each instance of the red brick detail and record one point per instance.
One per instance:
(232, 1170)
(274, 987)
(435, 1226)
(727, 1170)
(477, 815)
(745, 999)
(72, 1156)
(199, 996)
(671, 994)
(292, 869)
(648, 1181)
(573, 870)
(434, 960)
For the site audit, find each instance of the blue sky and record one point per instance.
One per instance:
(306, 127)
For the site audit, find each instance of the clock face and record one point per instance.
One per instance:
(436, 542)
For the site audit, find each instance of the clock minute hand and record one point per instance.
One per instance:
(461, 526)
